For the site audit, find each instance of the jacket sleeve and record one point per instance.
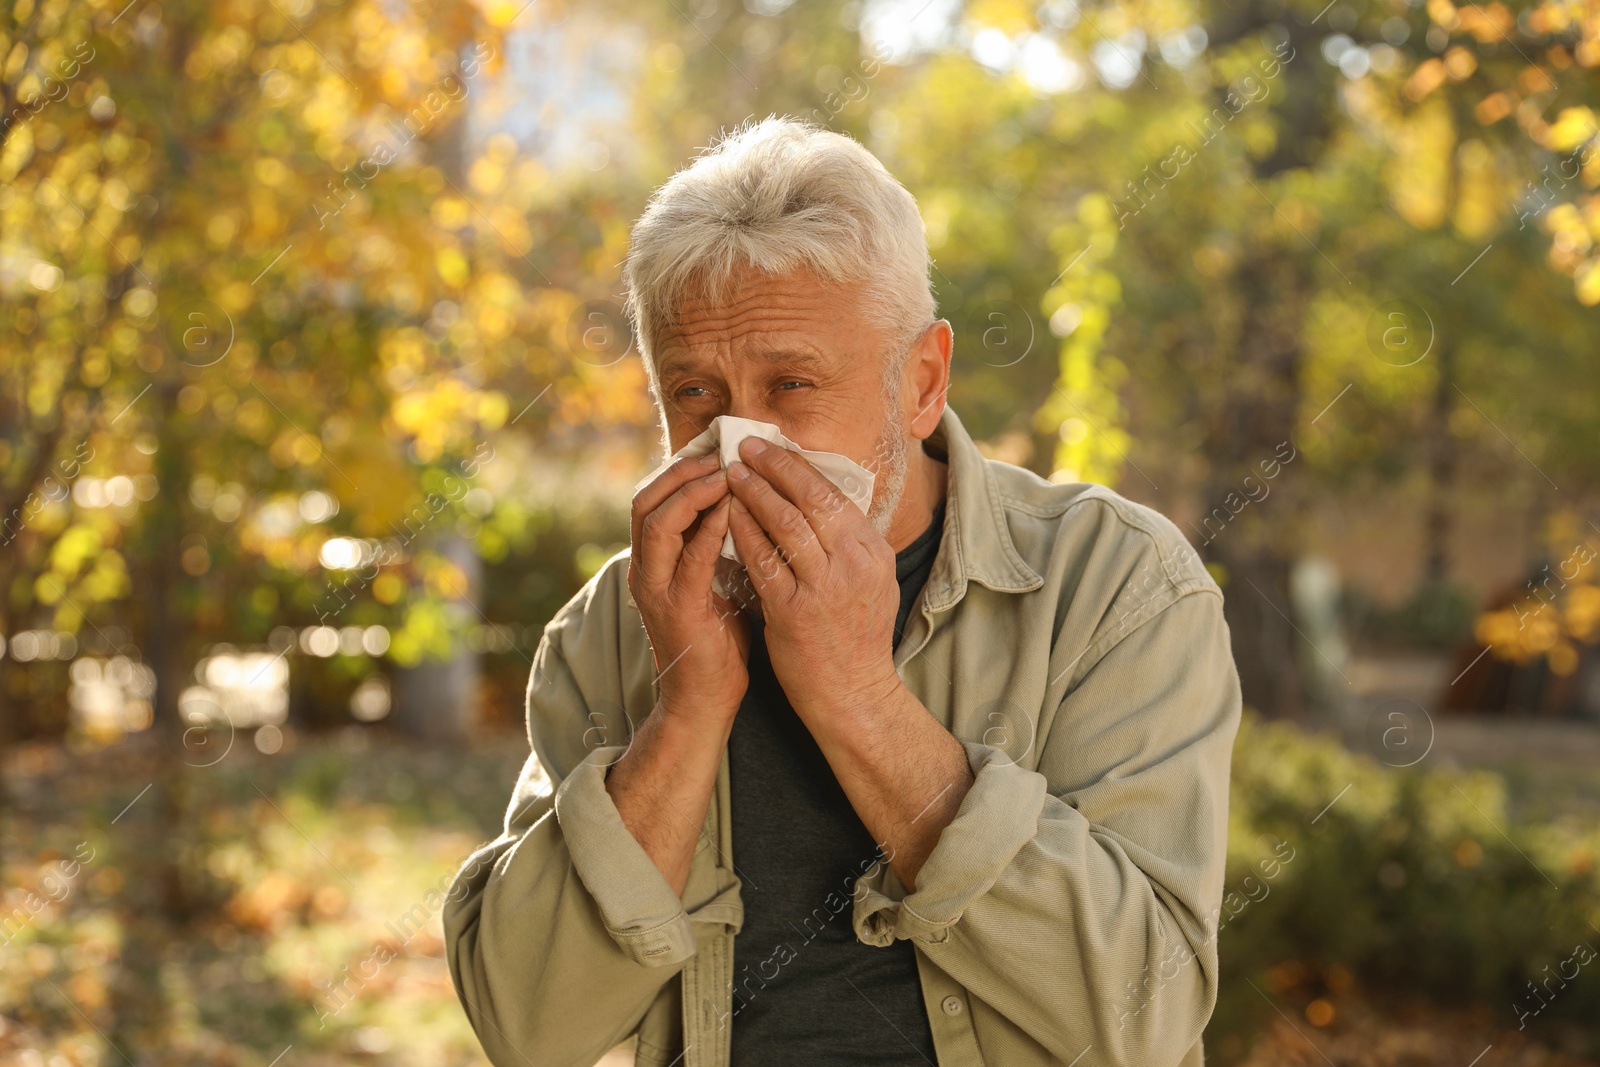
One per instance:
(1079, 900)
(561, 932)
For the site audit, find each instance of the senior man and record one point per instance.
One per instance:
(946, 782)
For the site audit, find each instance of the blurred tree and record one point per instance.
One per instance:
(1188, 197)
(1256, 284)
(1181, 195)
(238, 278)
(249, 260)
(53, 379)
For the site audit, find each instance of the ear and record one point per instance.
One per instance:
(926, 379)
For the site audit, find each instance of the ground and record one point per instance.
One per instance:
(289, 877)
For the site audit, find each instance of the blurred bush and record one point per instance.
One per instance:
(1419, 883)
(1438, 616)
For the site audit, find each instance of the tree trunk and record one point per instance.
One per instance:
(1251, 424)
(1263, 640)
(154, 905)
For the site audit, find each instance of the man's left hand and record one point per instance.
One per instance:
(826, 579)
(828, 589)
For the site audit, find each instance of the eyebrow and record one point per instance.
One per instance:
(791, 356)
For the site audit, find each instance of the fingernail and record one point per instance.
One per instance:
(757, 445)
(738, 471)
(707, 459)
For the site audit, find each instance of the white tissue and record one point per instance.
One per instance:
(723, 437)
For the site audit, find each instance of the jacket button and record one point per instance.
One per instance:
(952, 1005)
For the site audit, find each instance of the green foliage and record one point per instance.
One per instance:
(1418, 882)
(1437, 616)
(1086, 410)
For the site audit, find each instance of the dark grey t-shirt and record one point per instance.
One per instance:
(805, 991)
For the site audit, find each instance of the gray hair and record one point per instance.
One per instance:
(780, 195)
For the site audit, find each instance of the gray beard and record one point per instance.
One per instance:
(891, 454)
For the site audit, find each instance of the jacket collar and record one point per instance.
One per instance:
(976, 542)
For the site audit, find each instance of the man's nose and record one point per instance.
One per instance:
(748, 404)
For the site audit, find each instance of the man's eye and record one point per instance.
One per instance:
(786, 385)
(686, 390)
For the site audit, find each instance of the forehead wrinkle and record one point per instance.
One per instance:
(767, 318)
(756, 313)
(799, 300)
(783, 352)
(790, 330)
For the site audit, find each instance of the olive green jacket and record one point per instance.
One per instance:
(1074, 643)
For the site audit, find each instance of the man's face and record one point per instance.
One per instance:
(796, 352)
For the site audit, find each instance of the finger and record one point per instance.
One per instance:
(699, 560)
(694, 527)
(662, 531)
(769, 574)
(817, 499)
(783, 523)
(653, 494)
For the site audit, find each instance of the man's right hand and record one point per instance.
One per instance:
(662, 784)
(700, 644)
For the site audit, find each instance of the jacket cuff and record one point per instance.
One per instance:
(642, 914)
(999, 815)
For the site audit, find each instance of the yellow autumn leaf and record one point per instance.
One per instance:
(1587, 282)
(501, 12)
(451, 212)
(1572, 127)
(452, 266)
